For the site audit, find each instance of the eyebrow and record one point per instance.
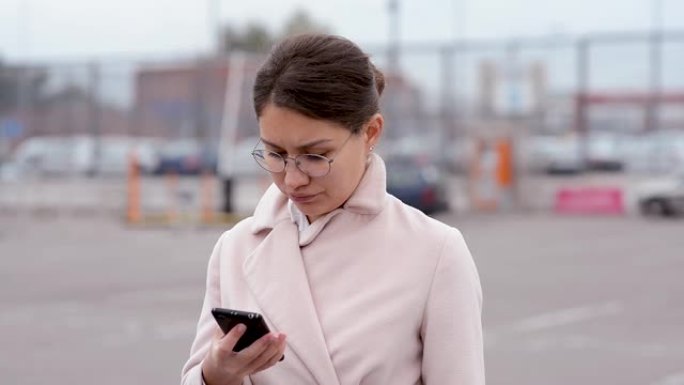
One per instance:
(306, 145)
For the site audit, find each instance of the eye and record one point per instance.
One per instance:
(315, 158)
(319, 152)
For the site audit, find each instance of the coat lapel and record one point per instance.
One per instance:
(276, 276)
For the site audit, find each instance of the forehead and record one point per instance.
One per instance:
(283, 126)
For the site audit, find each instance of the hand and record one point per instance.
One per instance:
(223, 366)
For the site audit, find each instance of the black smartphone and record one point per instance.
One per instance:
(229, 318)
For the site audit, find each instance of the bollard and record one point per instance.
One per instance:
(207, 198)
(133, 188)
(172, 187)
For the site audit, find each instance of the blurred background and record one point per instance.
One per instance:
(550, 133)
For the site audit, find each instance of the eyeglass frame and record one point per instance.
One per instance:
(285, 159)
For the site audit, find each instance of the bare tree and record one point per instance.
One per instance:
(256, 37)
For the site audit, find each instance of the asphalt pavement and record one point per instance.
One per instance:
(568, 300)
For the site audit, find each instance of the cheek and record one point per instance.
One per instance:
(279, 181)
(344, 181)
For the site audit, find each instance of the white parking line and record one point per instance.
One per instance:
(565, 317)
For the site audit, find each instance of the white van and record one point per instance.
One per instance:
(76, 156)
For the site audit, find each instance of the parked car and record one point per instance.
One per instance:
(60, 156)
(662, 197)
(416, 182)
(114, 155)
(656, 152)
(603, 152)
(45, 156)
(553, 155)
(186, 157)
(451, 156)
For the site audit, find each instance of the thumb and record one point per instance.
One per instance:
(233, 336)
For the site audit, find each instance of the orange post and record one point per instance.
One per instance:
(133, 189)
(504, 169)
(207, 214)
(172, 186)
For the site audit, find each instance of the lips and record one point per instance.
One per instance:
(303, 198)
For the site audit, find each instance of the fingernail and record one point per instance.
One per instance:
(241, 328)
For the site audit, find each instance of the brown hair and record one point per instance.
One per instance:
(323, 77)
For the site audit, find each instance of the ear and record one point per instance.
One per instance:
(373, 130)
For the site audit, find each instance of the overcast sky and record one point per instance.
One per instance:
(87, 28)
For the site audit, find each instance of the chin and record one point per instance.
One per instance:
(313, 211)
(308, 210)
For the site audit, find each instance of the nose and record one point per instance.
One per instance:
(294, 177)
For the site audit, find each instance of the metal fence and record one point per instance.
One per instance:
(440, 98)
(453, 89)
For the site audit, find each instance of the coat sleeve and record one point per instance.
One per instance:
(452, 322)
(206, 327)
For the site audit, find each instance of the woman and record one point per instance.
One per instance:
(357, 287)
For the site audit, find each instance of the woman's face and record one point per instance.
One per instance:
(290, 133)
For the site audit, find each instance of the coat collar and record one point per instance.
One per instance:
(368, 199)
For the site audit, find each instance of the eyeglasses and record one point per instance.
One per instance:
(313, 165)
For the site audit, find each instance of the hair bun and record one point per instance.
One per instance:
(379, 78)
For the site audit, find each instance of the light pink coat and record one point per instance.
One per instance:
(373, 293)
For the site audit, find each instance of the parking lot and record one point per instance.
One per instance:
(568, 300)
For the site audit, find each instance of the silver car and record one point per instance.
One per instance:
(664, 197)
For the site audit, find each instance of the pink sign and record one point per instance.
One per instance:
(589, 200)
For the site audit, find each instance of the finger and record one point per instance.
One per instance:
(257, 347)
(275, 358)
(271, 362)
(283, 345)
(271, 356)
(270, 349)
(233, 336)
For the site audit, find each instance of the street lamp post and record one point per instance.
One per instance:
(391, 105)
(393, 57)
(214, 21)
(656, 56)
